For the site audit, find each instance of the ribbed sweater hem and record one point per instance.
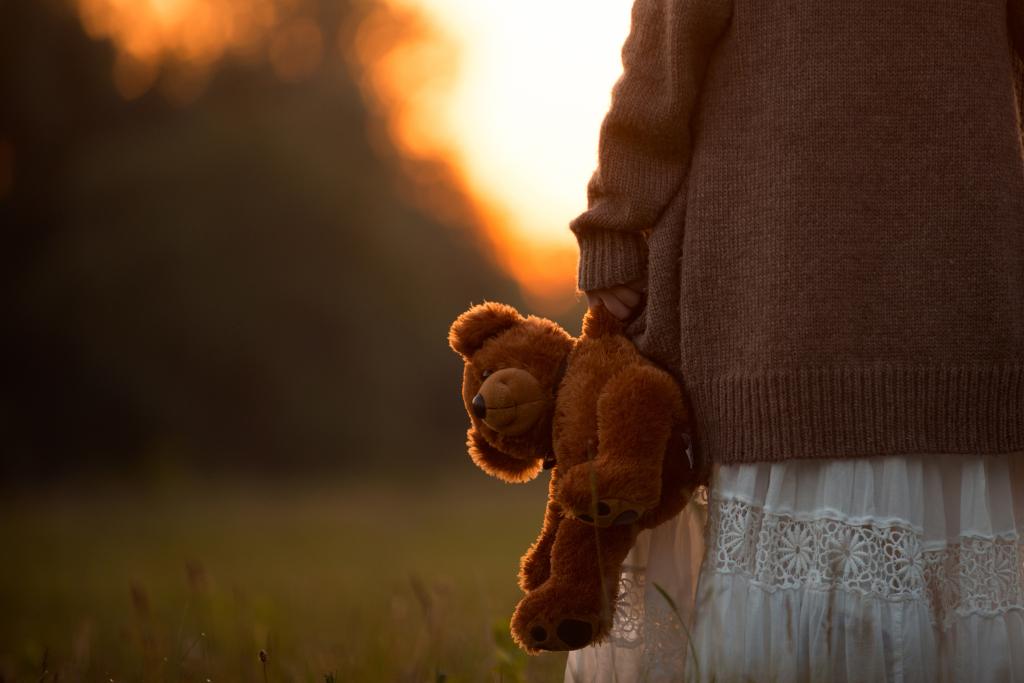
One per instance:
(859, 410)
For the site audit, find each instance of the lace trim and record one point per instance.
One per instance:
(776, 551)
(646, 624)
(629, 610)
(645, 620)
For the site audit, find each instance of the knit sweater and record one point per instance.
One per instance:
(827, 200)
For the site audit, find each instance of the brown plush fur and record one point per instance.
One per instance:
(613, 425)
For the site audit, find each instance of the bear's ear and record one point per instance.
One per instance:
(481, 322)
(498, 464)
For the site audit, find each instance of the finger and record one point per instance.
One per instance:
(629, 297)
(618, 309)
(593, 299)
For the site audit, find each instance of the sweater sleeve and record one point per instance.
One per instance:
(644, 145)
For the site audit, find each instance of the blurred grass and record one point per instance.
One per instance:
(365, 581)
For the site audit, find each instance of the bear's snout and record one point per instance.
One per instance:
(510, 401)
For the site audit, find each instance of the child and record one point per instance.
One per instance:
(812, 212)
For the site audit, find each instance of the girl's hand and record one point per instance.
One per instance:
(621, 300)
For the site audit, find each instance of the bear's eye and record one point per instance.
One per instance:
(485, 374)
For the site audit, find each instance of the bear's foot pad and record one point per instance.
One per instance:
(568, 634)
(614, 512)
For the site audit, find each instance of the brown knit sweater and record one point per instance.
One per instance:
(827, 198)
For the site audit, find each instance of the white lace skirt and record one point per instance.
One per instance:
(899, 568)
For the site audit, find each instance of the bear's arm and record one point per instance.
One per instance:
(636, 411)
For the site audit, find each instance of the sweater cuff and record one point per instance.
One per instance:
(610, 257)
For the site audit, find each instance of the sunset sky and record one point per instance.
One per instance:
(509, 95)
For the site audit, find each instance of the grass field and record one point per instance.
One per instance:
(347, 582)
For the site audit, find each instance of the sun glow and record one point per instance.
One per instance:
(494, 107)
(511, 95)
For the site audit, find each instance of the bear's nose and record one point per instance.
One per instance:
(479, 407)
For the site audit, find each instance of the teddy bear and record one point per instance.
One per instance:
(610, 425)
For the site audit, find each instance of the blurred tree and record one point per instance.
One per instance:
(233, 282)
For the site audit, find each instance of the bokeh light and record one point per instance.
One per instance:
(185, 38)
(296, 49)
(491, 104)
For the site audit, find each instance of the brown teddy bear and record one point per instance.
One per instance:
(611, 426)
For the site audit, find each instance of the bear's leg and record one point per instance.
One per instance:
(535, 565)
(574, 607)
(636, 413)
